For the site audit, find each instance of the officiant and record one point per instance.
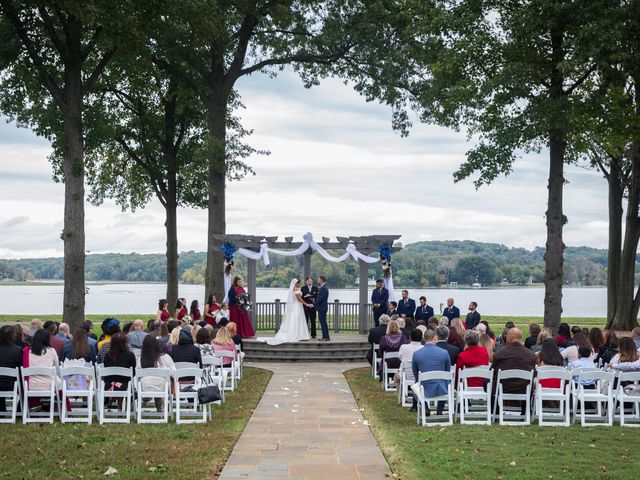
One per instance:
(309, 292)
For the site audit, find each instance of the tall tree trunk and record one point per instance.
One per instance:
(73, 170)
(217, 117)
(555, 219)
(616, 191)
(171, 228)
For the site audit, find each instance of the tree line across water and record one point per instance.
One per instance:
(431, 263)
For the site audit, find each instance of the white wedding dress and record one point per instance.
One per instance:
(294, 328)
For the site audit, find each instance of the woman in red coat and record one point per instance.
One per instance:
(238, 313)
(474, 355)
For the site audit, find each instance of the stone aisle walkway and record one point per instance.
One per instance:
(307, 426)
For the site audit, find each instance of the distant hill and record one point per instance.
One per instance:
(430, 263)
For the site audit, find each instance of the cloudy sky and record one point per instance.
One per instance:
(336, 168)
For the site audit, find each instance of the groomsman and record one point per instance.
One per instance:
(473, 317)
(309, 293)
(451, 311)
(424, 311)
(406, 306)
(379, 300)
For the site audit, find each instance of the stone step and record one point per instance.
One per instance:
(305, 359)
(310, 345)
(284, 349)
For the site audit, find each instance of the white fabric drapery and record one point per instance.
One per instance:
(308, 243)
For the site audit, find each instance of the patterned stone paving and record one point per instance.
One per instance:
(307, 426)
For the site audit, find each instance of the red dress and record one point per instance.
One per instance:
(164, 316)
(196, 315)
(239, 314)
(182, 313)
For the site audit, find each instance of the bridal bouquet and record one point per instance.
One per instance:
(243, 301)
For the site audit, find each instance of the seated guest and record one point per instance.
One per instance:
(36, 324)
(489, 331)
(165, 334)
(487, 342)
(127, 328)
(136, 335)
(443, 334)
(571, 353)
(472, 356)
(584, 361)
(563, 336)
(542, 336)
(393, 308)
(576, 329)
(596, 339)
(430, 358)
(10, 357)
(434, 323)
(402, 325)
(64, 332)
(40, 354)
(455, 339)
(56, 342)
(473, 317)
(501, 341)
(406, 354)
(458, 326)
(233, 331)
(424, 312)
(532, 339)
(184, 350)
(224, 342)
(513, 356)
(550, 356)
(92, 342)
(375, 334)
(151, 356)
(635, 335)
(203, 342)
(80, 348)
(110, 327)
(118, 355)
(610, 348)
(628, 355)
(21, 335)
(153, 328)
(391, 342)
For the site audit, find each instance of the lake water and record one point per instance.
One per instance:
(119, 298)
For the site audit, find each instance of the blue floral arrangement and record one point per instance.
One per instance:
(385, 258)
(229, 251)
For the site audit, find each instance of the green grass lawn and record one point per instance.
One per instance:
(41, 451)
(492, 452)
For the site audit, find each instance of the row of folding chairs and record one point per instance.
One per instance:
(73, 404)
(600, 405)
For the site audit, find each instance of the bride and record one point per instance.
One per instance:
(294, 328)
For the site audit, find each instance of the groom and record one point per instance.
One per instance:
(309, 293)
(322, 305)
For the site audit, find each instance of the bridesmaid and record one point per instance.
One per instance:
(210, 309)
(195, 311)
(237, 313)
(181, 309)
(163, 314)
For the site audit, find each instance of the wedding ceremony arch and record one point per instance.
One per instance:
(258, 248)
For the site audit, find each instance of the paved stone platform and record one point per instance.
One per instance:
(307, 427)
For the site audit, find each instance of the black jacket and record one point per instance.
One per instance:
(375, 334)
(452, 350)
(10, 357)
(186, 351)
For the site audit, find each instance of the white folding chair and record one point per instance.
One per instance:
(405, 398)
(80, 399)
(375, 360)
(423, 400)
(623, 397)
(551, 416)
(50, 394)
(601, 395)
(480, 413)
(11, 397)
(150, 415)
(240, 357)
(230, 369)
(122, 415)
(388, 384)
(214, 365)
(187, 408)
(514, 415)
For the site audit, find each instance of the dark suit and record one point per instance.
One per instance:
(452, 350)
(322, 306)
(451, 313)
(512, 357)
(407, 307)
(310, 312)
(375, 334)
(473, 319)
(424, 313)
(379, 296)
